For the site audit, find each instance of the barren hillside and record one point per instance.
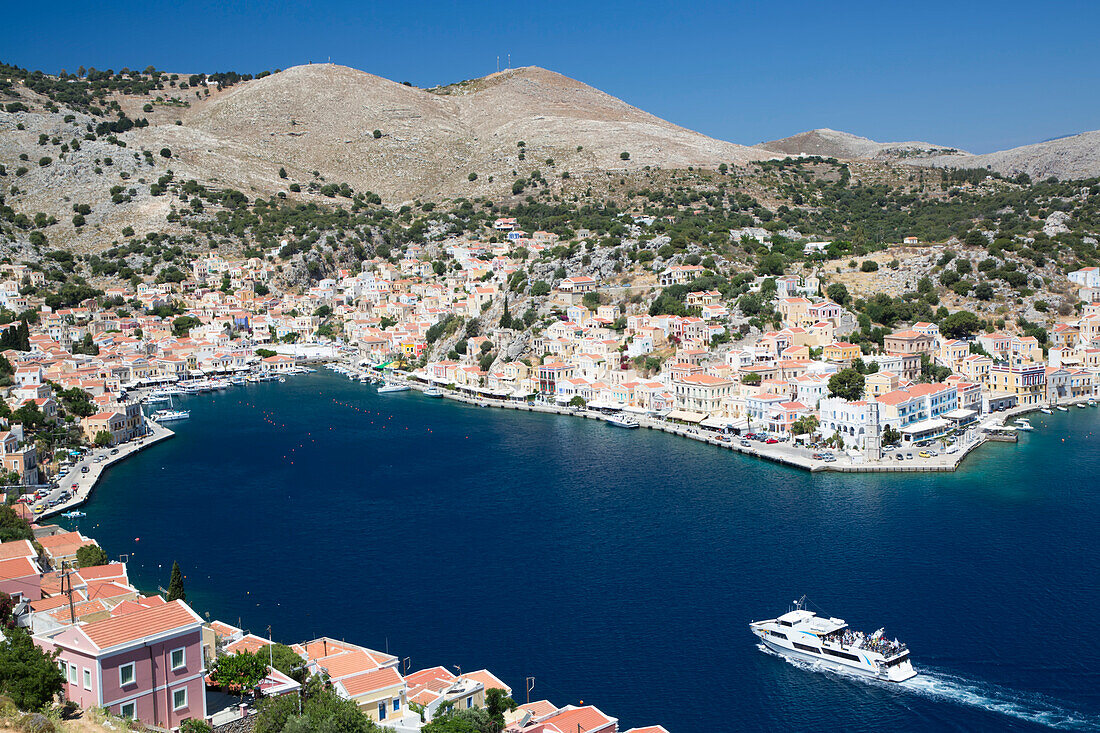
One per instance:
(835, 144)
(1076, 156)
(322, 118)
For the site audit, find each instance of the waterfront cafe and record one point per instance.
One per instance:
(685, 416)
(926, 430)
(961, 418)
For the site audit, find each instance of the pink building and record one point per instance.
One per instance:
(146, 664)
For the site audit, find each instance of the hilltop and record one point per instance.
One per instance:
(1065, 158)
(324, 118)
(835, 144)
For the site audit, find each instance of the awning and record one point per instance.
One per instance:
(636, 410)
(686, 416)
(716, 423)
(925, 426)
(961, 414)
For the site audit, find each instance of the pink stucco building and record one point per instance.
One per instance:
(145, 664)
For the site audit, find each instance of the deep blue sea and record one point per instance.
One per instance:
(621, 568)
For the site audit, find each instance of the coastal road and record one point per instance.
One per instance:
(79, 482)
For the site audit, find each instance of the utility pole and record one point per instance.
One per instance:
(270, 648)
(530, 686)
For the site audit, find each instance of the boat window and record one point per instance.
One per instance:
(899, 660)
(838, 653)
(803, 647)
(784, 623)
(780, 634)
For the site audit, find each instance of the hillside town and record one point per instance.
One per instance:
(796, 391)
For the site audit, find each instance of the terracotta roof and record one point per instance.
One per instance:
(379, 679)
(581, 720)
(348, 663)
(140, 624)
(17, 548)
(18, 567)
(247, 643)
(488, 680)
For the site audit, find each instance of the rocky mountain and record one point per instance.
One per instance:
(835, 144)
(324, 118)
(1075, 156)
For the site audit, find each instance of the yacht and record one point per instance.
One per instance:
(169, 415)
(433, 392)
(1022, 423)
(392, 387)
(73, 515)
(623, 421)
(802, 634)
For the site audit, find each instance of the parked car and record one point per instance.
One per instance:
(744, 443)
(771, 441)
(84, 469)
(925, 454)
(114, 452)
(900, 456)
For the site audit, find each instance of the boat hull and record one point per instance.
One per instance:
(897, 674)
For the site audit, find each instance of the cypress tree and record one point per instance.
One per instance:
(175, 586)
(505, 318)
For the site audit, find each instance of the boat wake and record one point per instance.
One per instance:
(944, 686)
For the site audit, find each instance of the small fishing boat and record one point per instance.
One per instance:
(1091, 402)
(1023, 424)
(1045, 411)
(1082, 405)
(1063, 408)
(623, 421)
(73, 514)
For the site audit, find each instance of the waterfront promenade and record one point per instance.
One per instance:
(80, 484)
(783, 452)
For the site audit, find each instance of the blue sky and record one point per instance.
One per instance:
(976, 75)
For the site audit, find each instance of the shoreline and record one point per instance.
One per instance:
(86, 483)
(940, 463)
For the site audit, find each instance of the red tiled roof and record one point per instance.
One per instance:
(379, 679)
(140, 624)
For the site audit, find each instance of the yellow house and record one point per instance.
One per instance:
(1025, 380)
(952, 352)
(880, 383)
(841, 352)
(379, 693)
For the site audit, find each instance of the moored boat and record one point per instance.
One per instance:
(802, 634)
(1022, 423)
(1046, 411)
(1063, 408)
(169, 415)
(73, 514)
(623, 421)
(433, 392)
(392, 387)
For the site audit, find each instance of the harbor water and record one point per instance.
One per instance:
(622, 568)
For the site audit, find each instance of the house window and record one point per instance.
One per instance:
(179, 699)
(126, 674)
(469, 702)
(396, 704)
(179, 659)
(382, 710)
(72, 674)
(87, 679)
(128, 709)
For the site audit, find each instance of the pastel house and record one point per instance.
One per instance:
(146, 664)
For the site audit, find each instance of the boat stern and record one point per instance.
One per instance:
(901, 671)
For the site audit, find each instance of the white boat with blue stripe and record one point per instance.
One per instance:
(803, 634)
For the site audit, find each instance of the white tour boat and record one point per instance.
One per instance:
(802, 634)
(1022, 423)
(392, 387)
(433, 392)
